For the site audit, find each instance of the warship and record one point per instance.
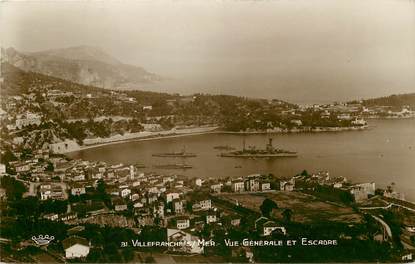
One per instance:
(252, 152)
(180, 166)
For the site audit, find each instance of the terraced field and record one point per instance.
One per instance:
(306, 208)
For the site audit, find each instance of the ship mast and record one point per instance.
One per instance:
(269, 145)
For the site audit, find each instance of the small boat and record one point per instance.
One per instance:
(174, 166)
(139, 165)
(180, 154)
(225, 147)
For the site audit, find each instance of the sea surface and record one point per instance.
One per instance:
(384, 153)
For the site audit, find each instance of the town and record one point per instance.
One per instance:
(81, 197)
(57, 209)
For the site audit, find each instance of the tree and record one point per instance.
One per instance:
(102, 193)
(50, 167)
(287, 214)
(267, 206)
(305, 173)
(128, 254)
(379, 192)
(14, 189)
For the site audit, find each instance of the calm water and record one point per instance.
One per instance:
(383, 154)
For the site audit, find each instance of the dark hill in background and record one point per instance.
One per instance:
(396, 100)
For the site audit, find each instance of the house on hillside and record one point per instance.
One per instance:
(266, 227)
(186, 243)
(75, 247)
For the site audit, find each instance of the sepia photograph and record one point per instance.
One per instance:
(207, 131)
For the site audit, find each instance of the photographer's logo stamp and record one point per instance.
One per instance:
(42, 240)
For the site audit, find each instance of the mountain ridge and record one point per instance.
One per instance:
(82, 64)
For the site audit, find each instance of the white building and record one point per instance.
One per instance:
(369, 187)
(182, 223)
(238, 186)
(78, 190)
(75, 247)
(2, 169)
(359, 122)
(185, 242)
(202, 205)
(28, 119)
(198, 182)
(171, 196)
(125, 192)
(296, 122)
(265, 186)
(271, 226)
(211, 218)
(359, 194)
(63, 146)
(216, 188)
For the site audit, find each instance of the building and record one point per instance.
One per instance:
(51, 216)
(178, 206)
(266, 227)
(202, 205)
(184, 242)
(394, 194)
(359, 193)
(235, 220)
(125, 192)
(78, 189)
(75, 247)
(270, 227)
(63, 146)
(49, 191)
(296, 122)
(182, 222)
(216, 188)
(286, 186)
(170, 196)
(359, 122)
(265, 186)
(238, 186)
(2, 169)
(119, 205)
(22, 167)
(369, 187)
(68, 216)
(252, 185)
(198, 182)
(28, 119)
(211, 217)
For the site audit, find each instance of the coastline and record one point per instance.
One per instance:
(305, 130)
(147, 136)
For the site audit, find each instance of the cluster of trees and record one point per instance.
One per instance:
(14, 188)
(80, 130)
(396, 101)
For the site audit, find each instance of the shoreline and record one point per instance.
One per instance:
(141, 138)
(208, 130)
(318, 130)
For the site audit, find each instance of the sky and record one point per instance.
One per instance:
(302, 51)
